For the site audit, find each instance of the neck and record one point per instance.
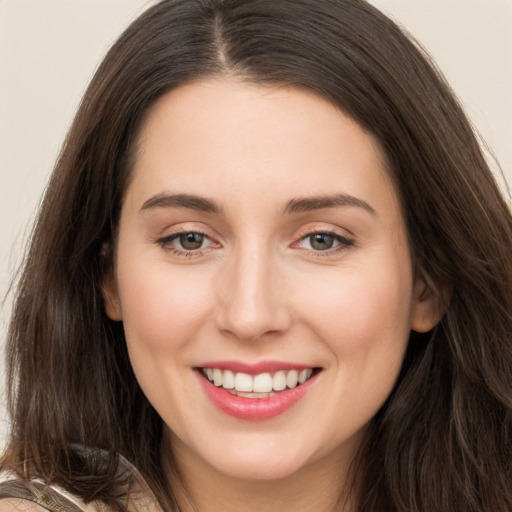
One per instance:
(320, 486)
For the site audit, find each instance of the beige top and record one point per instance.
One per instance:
(17, 494)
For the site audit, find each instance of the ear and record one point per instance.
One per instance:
(429, 304)
(111, 297)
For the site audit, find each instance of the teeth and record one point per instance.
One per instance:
(292, 379)
(243, 382)
(253, 395)
(303, 376)
(217, 377)
(228, 381)
(264, 383)
(279, 381)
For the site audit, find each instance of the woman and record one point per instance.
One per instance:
(271, 271)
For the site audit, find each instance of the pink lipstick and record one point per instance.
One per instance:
(255, 391)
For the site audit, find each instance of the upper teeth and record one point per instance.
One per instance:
(261, 383)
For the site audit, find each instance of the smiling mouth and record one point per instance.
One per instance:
(262, 385)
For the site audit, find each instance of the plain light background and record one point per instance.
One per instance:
(49, 50)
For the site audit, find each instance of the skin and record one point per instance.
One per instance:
(257, 289)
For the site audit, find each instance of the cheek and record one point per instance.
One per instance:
(363, 314)
(163, 311)
(364, 321)
(161, 308)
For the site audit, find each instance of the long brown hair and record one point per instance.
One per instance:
(443, 440)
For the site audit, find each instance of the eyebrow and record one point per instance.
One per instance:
(296, 205)
(181, 201)
(307, 204)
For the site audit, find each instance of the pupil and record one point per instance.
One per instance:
(191, 241)
(322, 241)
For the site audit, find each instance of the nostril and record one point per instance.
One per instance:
(253, 324)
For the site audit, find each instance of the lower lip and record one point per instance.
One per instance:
(254, 408)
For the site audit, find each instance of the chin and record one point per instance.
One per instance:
(265, 459)
(262, 469)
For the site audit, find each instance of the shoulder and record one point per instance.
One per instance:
(34, 496)
(19, 505)
(17, 494)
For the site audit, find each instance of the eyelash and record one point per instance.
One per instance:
(165, 243)
(343, 243)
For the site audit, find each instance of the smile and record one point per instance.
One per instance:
(256, 392)
(263, 385)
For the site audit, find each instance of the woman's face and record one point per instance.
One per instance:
(261, 243)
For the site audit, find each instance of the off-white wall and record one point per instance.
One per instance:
(50, 48)
(471, 40)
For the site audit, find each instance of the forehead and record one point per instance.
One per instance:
(254, 138)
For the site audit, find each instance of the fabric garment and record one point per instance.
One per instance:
(17, 494)
(20, 495)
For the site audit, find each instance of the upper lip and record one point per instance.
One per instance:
(254, 368)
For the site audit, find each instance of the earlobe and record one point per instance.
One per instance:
(429, 306)
(111, 297)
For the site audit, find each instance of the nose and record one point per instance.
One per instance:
(252, 300)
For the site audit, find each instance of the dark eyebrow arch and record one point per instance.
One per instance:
(308, 204)
(181, 201)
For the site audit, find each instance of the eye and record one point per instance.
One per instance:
(191, 241)
(321, 241)
(324, 242)
(186, 242)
